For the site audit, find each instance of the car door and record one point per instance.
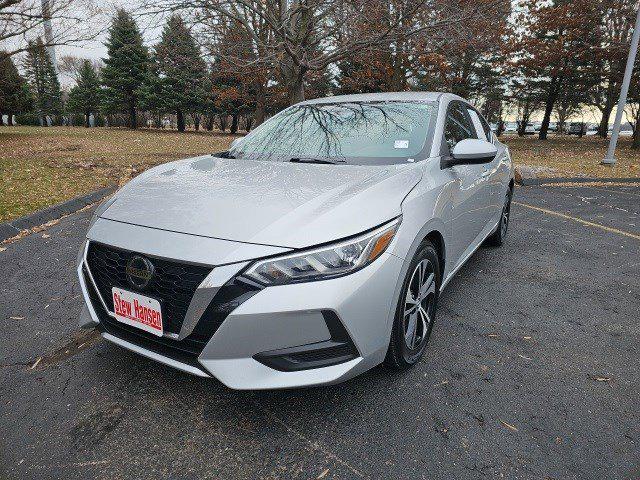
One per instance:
(492, 173)
(497, 174)
(469, 203)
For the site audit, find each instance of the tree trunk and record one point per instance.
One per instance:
(248, 123)
(2, 119)
(295, 88)
(209, 123)
(196, 122)
(133, 121)
(603, 128)
(635, 145)
(10, 121)
(223, 122)
(87, 114)
(552, 95)
(260, 113)
(180, 120)
(234, 123)
(562, 119)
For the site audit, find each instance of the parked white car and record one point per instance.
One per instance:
(314, 249)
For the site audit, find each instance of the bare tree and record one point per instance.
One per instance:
(23, 20)
(71, 65)
(299, 37)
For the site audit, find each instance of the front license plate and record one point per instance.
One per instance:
(137, 310)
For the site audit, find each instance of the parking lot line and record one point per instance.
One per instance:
(613, 191)
(579, 220)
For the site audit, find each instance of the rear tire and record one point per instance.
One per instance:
(416, 309)
(496, 239)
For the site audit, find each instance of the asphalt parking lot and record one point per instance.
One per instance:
(533, 372)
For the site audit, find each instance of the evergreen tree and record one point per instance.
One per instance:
(233, 88)
(15, 97)
(152, 93)
(44, 81)
(554, 48)
(85, 96)
(182, 71)
(125, 68)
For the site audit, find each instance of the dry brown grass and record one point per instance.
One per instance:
(44, 166)
(570, 156)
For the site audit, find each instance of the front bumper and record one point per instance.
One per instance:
(274, 319)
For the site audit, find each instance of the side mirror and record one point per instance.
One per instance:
(235, 143)
(473, 151)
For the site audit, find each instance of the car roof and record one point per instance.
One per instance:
(378, 97)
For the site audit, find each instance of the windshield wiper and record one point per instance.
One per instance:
(226, 154)
(311, 160)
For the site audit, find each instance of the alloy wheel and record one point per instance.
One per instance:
(504, 221)
(419, 305)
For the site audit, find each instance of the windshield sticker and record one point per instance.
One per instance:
(401, 144)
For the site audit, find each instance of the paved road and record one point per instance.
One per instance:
(533, 372)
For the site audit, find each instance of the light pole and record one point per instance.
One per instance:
(610, 159)
(48, 31)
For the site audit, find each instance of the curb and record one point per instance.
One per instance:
(529, 182)
(14, 227)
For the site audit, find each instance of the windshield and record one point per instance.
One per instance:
(362, 133)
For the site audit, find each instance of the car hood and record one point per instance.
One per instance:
(270, 203)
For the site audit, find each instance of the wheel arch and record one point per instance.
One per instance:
(437, 239)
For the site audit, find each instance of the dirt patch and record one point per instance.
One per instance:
(80, 341)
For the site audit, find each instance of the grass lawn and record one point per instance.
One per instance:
(570, 156)
(43, 166)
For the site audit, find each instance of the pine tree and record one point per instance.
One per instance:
(232, 86)
(554, 48)
(44, 81)
(152, 94)
(85, 96)
(182, 70)
(125, 68)
(14, 92)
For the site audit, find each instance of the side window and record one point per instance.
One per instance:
(487, 128)
(482, 127)
(458, 125)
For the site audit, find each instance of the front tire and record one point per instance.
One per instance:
(416, 309)
(496, 239)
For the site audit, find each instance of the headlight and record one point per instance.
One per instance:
(325, 262)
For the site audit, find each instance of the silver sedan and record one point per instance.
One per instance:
(312, 250)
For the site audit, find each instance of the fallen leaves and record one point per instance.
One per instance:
(47, 165)
(564, 156)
